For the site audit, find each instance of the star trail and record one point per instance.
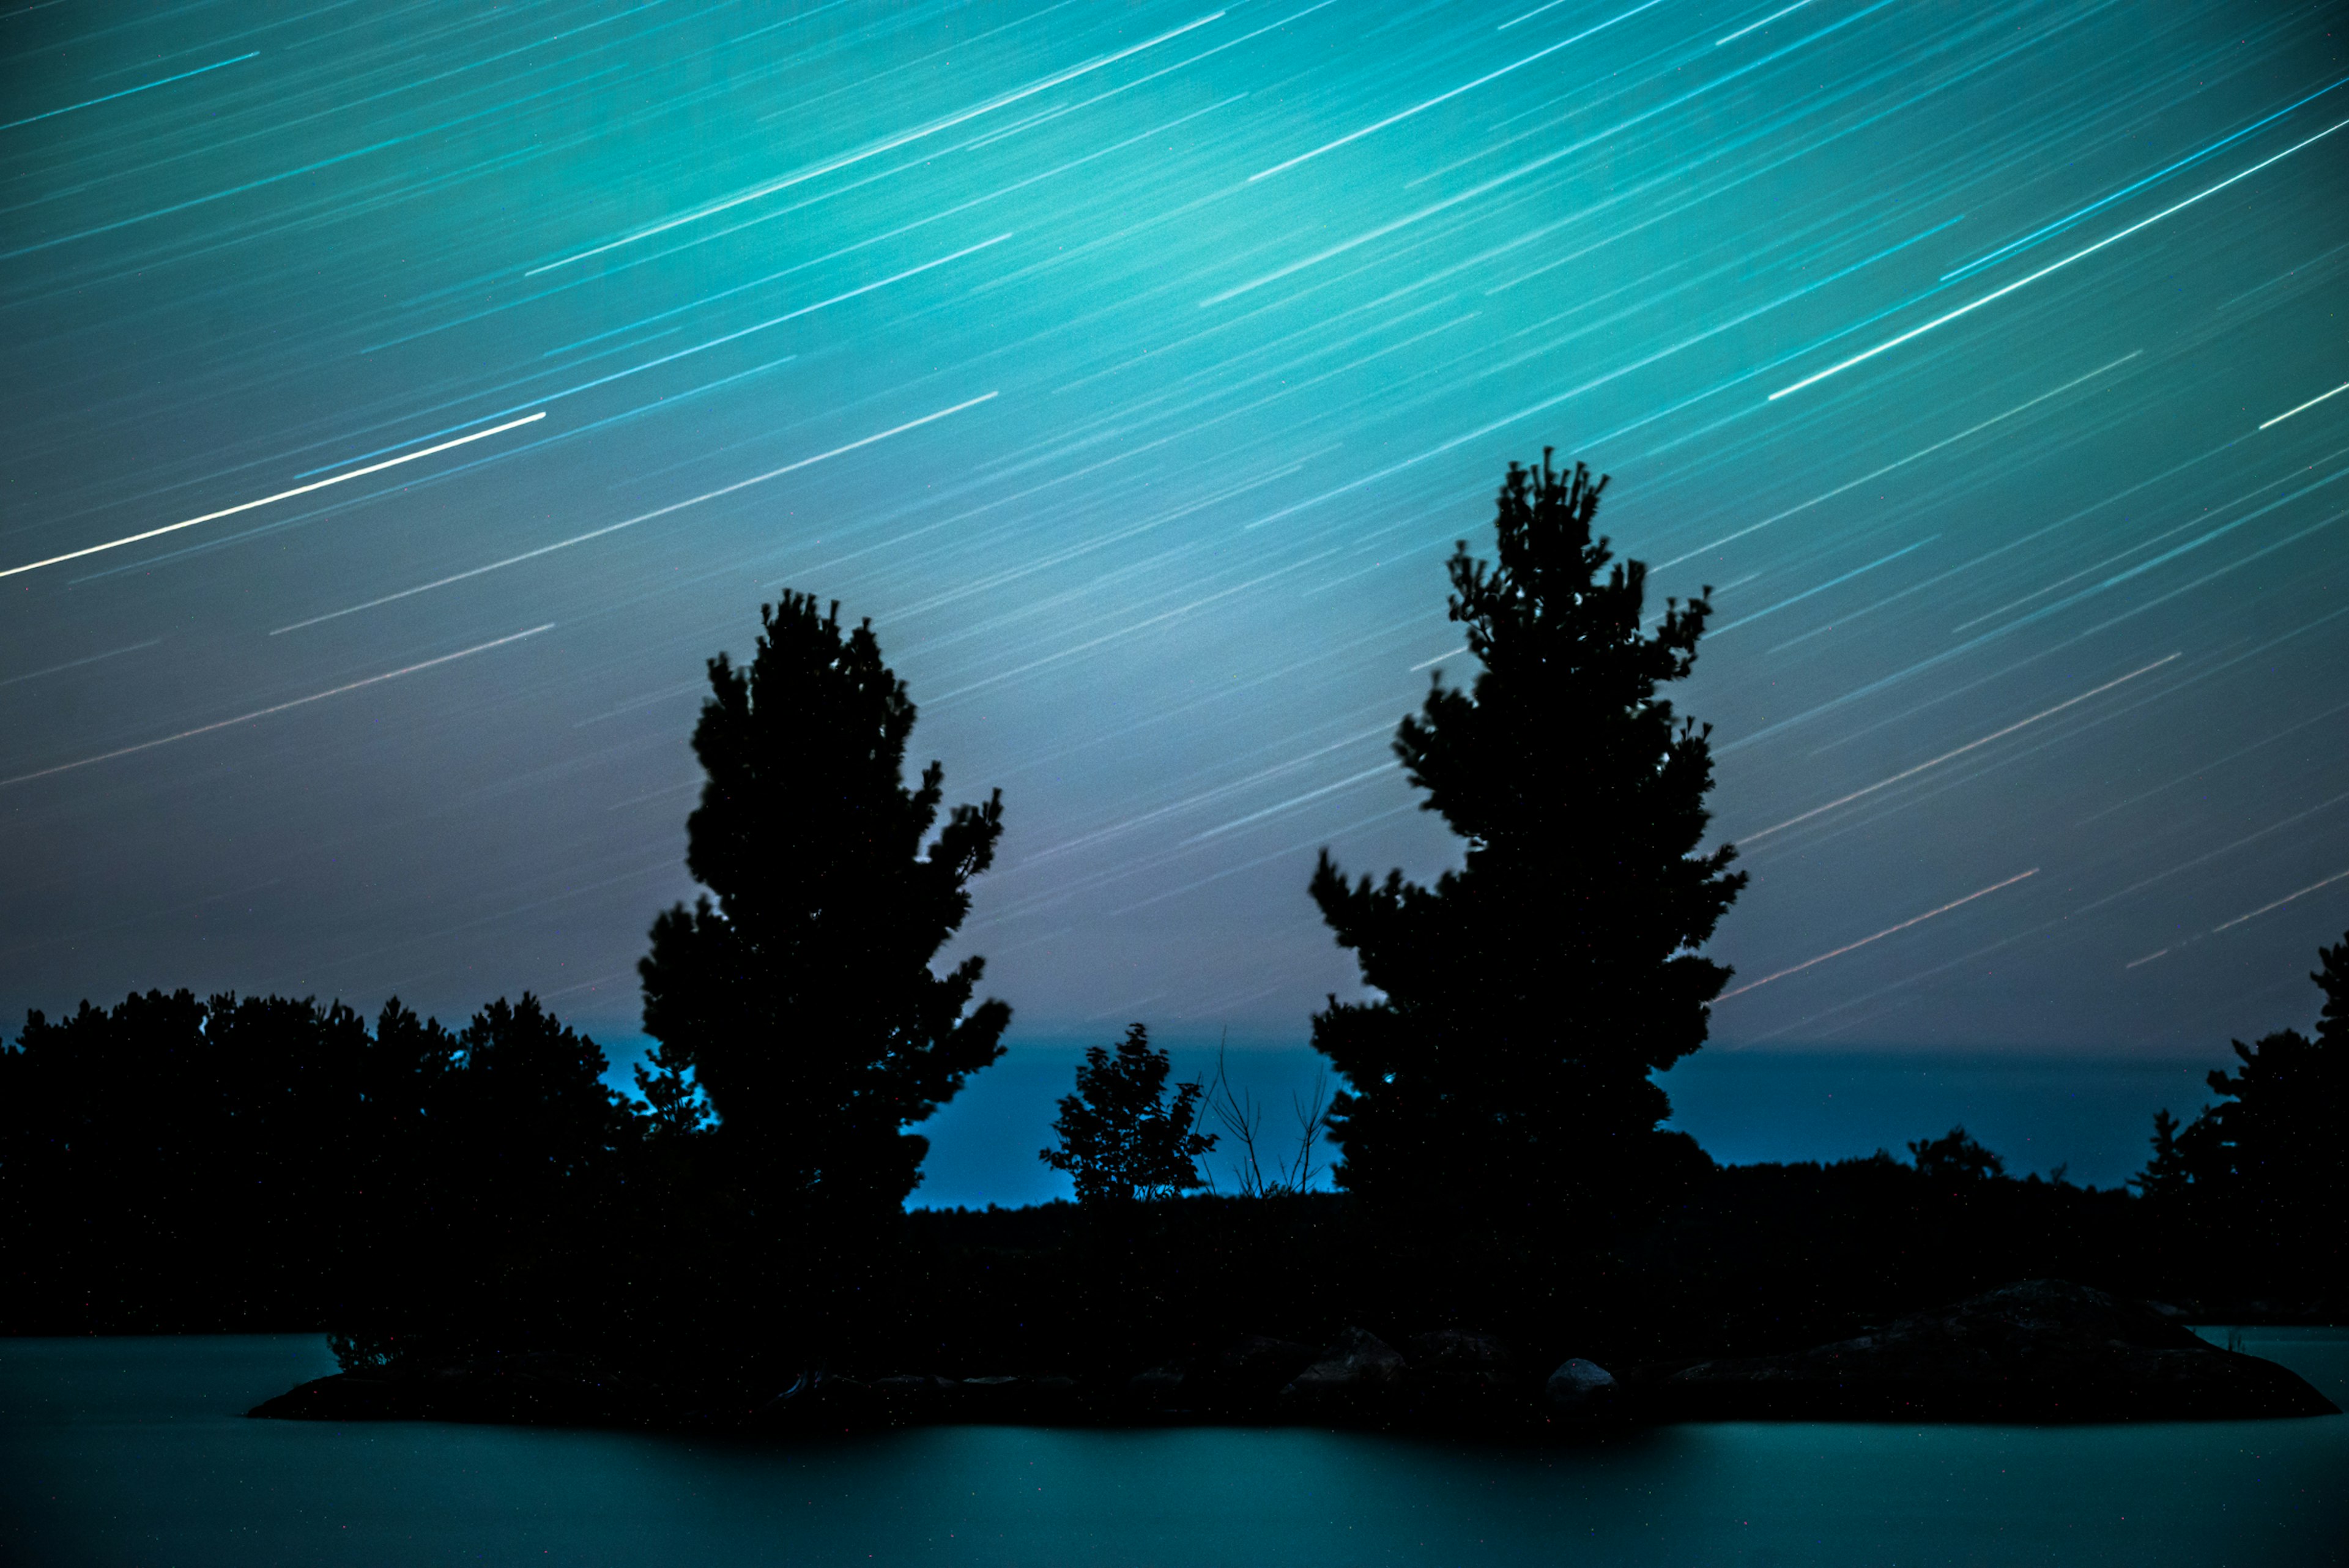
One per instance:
(405, 400)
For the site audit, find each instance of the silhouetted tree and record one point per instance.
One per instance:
(2171, 1171)
(524, 1176)
(803, 999)
(1525, 998)
(2259, 1182)
(536, 1092)
(1121, 1137)
(1955, 1157)
(674, 1104)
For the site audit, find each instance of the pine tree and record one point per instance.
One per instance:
(1526, 997)
(2170, 1171)
(1121, 1138)
(805, 1001)
(673, 1105)
(2260, 1179)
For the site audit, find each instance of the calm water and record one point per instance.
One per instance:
(133, 1451)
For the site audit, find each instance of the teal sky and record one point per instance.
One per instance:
(1134, 368)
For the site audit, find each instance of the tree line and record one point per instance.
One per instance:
(273, 1161)
(176, 1163)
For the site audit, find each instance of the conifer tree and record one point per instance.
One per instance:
(2259, 1182)
(804, 1000)
(1525, 998)
(2170, 1171)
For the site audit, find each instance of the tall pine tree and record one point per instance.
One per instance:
(1502, 1073)
(805, 1001)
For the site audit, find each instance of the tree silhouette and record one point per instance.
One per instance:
(674, 1104)
(1526, 996)
(2282, 1126)
(804, 1000)
(252, 1161)
(2260, 1179)
(539, 1083)
(1955, 1157)
(1121, 1138)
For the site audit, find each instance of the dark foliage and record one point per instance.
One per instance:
(1745, 1260)
(1121, 1138)
(804, 1000)
(2258, 1184)
(257, 1164)
(1504, 1070)
(1954, 1158)
(264, 1162)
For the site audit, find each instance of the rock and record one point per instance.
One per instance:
(1158, 1388)
(990, 1399)
(1246, 1378)
(1453, 1358)
(1242, 1382)
(1580, 1389)
(1358, 1377)
(911, 1400)
(1458, 1377)
(343, 1396)
(2041, 1351)
(822, 1401)
(1013, 1401)
(538, 1390)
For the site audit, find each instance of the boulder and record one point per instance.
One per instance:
(1358, 1377)
(910, 1399)
(823, 1401)
(1582, 1389)
(1247, 1378)
(1457, 1376)
(345, 1397)
(2041, 1351)
(1241, 1382)
(1014, 1401)
(1454, 1359)
(1159, 1390)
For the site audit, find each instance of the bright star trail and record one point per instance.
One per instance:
(2304, 408)
(2081, 254)
(1134, 370)
(270, 500)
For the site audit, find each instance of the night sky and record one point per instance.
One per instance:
(404, 399)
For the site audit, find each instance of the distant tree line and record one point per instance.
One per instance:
(260, 1161)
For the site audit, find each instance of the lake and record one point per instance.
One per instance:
(121, 1451)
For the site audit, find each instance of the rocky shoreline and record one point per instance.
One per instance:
(2039, 1351)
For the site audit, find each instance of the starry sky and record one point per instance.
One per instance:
(403, 400)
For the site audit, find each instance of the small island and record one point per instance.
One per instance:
(2041, 1352)
(1514, 1245)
